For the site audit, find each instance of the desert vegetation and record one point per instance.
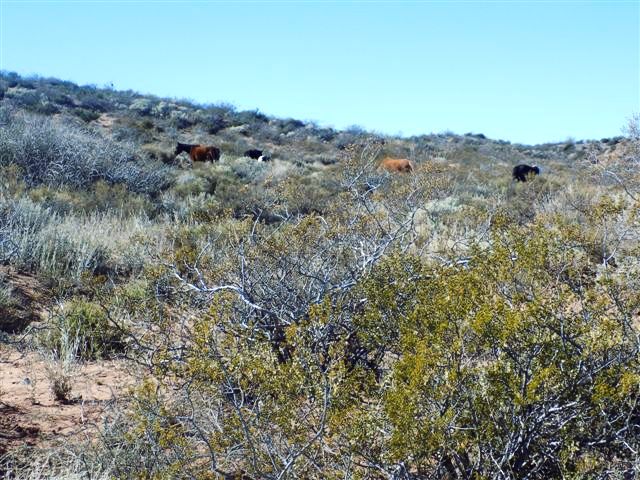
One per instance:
(313, 316)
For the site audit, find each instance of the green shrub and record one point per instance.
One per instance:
(147, 124)
(524, 198)
(249, 170)
(46, 108)
(160, 153)
(214, 122)
(28, 98)
(289, 125)
(507, 362)
(86, 115)
(94, 101)
(249, 117)
(101, 197)
(87, 326)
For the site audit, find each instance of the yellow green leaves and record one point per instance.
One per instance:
(608, 208)
(522, 359)
(502, 352)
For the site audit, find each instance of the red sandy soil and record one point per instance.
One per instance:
(29, 297)
(29, 415)
(105, 121)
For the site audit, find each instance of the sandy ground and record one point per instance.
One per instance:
(105, 121)
(29, 414)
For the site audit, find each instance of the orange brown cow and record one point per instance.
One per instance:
(393, 165)
(199, 153)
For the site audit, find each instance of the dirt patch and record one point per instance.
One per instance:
(30, 415)
(105, 120)
(23, 299)
(12, 432)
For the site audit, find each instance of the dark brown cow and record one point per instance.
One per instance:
(521, 172)
(199, 153)
(393, 165)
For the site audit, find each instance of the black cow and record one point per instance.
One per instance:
(253, 153)
(521, 172)
(257, 155)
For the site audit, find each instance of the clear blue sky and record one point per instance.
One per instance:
(522, 71)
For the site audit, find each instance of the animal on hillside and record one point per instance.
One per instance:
(253, 153)
(521, 172)
(199, 153)
(401, 165)
(257, 155)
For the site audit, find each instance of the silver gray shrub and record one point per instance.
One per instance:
(55, 153)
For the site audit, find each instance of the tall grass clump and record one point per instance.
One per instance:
(82, 330)
(35, 238)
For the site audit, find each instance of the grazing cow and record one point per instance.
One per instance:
(199, 153)
(521, 172)
(257, 155)
(401, 165)
(253, 153)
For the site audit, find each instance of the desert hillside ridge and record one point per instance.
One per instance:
(193, 291)
(164, 121)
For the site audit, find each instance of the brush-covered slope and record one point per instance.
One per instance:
(311, 316)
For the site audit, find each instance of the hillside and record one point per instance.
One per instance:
(308, 316)
(157, 123)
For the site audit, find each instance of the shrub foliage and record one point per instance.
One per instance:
(58, 154)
